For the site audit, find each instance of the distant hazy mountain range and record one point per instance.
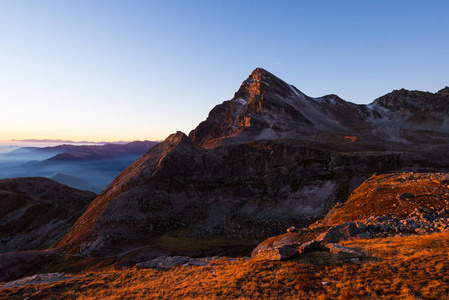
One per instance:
(88, 167)
(65, 141)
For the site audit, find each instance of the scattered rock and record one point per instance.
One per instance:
(278, 248)
(164, 262)
(365, 235)
(421, 230)
(277, 253)
(201, 262)
(337, 248)
(311, 246)
(443, 213)
(340, 232)
(293, 229)
(36, 279)
(406, 196)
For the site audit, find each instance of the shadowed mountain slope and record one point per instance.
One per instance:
(35, 212)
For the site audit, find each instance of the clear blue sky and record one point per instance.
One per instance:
(127, 70)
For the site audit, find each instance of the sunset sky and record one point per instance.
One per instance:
(139, 70)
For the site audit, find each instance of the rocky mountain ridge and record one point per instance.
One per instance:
(262, 161)
(265, 107)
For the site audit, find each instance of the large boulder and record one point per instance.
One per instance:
(280, 248)
(341, 232)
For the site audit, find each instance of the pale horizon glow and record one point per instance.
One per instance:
(110, 70)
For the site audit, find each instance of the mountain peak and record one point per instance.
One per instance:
(260, 82)
(444, 91)
(259, 73)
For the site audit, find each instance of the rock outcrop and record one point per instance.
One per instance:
(164, 262)
(397, 195)
(378, 208)
(36, 279)
(167, 262)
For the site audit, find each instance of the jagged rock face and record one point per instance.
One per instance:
(36, 213)
(268, 159)
(421, 119)
(407, 102)
(265, 107)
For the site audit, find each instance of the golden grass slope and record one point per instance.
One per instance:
(381, 195)
(413, 267)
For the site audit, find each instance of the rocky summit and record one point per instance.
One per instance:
(269, 158)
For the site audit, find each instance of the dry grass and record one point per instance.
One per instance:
(396, 268)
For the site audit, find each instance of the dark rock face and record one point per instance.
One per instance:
(265, 160)
(36, 213)
(248, 190)
(341, 232)
(409, 102)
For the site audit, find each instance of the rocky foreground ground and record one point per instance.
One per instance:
(407, 267)
(394, 249)
(383, 206)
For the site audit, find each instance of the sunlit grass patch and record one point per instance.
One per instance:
(395, 268)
